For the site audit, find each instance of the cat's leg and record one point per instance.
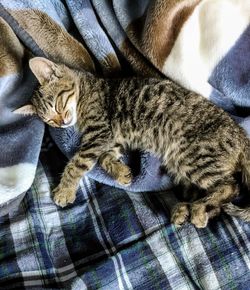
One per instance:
(192, 196)
(82, 162)
(190, 193)
(181, 211)
(210, 205)
(110, 162)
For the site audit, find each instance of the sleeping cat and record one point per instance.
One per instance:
(198, 143)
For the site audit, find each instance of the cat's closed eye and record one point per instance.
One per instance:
(66, 99)
(68, 114)
(59, 106)
(51, 122)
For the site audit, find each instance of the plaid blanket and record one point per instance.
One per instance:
(185, 40)
(112, 238)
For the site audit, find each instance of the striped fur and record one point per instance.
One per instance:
(198, 143)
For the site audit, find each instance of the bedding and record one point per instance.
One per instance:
(114, 237)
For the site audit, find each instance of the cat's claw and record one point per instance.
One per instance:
(180, 213)
(63, 197)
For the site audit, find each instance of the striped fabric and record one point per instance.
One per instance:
(112, 239)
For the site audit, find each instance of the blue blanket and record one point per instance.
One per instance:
(110, 229)
(116, 39)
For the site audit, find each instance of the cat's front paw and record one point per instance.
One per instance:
(199, 216)
(180, 213)
(63, 197)
(123, 174)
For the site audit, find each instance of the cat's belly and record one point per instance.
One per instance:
(158, 145)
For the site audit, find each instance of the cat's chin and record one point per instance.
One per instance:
(68, 125)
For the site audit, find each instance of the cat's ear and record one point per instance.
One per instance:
(42, 68)
(26, 110)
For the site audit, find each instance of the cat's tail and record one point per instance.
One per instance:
(245, 167)
(232, 209)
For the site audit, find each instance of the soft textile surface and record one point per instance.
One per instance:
(111, 238)
(203, 45)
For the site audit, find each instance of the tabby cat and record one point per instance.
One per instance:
(198, 143)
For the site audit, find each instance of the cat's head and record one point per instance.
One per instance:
(56, 99)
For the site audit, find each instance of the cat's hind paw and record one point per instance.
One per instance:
(180, 213)
(63, 197)
(199, 216)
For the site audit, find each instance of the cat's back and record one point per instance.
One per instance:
(125, 94)
(130, 87)
(144, 93)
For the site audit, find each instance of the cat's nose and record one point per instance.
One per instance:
(66, 122)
